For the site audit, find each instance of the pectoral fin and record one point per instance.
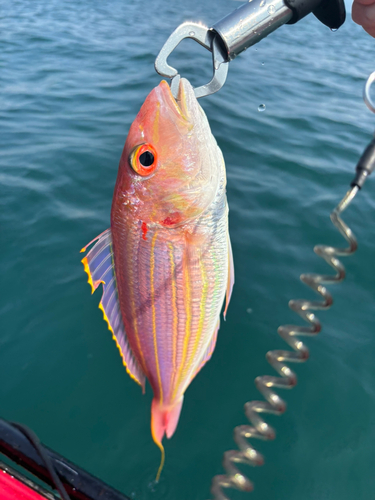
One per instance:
(100, 268)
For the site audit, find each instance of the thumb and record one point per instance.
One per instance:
(363, 13)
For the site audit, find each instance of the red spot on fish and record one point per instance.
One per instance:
(144, 230)
(172, 219)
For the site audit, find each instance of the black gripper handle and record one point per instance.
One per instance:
(330, 12)
(365, 165)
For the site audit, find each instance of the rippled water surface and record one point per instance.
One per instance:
(73, 76)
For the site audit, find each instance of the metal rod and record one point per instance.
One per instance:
(251, 22)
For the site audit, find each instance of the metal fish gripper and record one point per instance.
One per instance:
(239, 30)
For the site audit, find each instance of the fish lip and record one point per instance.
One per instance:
(178, 105)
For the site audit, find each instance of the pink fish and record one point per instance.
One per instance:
(166, 261)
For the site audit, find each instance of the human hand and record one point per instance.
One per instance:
(363, 13)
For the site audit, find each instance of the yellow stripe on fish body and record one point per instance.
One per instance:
(140, 355)
(174, 308)
(152, 270)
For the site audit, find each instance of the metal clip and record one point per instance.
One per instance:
(209, 40)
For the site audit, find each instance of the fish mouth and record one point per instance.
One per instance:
(181, 104)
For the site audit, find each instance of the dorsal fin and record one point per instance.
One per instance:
(99, 266)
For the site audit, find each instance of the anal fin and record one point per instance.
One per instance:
(99, 266)
(208, 352)
(230, 277)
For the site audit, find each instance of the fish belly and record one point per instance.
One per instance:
(171, 286)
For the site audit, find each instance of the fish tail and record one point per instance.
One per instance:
(164, 420)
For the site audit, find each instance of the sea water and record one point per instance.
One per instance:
(73, 76)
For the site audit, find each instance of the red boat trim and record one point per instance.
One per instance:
(13, 489)
(79, 484)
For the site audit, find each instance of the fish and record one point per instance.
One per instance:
(166, 261)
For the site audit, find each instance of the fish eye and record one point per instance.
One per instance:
(146, 159)
(143, 159)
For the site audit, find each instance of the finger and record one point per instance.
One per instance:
(364, 15)
(364, 2)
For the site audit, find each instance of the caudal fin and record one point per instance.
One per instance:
(164, 420)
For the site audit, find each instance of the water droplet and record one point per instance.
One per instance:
(191, 33)
(249, 310)
(334, 29)
(261, 107)
(250, 1)
(271, 9)
(262, 63)
(262, 3)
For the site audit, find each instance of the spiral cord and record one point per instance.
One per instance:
(278, 359)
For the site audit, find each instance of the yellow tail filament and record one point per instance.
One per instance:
(161, 462)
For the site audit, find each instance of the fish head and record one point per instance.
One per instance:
(170, 167)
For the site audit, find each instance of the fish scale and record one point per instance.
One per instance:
(168, 254)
